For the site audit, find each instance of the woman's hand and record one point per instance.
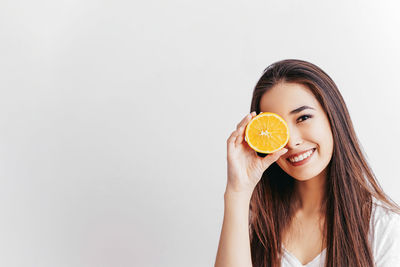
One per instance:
(245, 167)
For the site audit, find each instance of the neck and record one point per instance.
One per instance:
(311, 194)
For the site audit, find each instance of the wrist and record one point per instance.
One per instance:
(237, 195)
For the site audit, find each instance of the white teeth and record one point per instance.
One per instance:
(302, 156)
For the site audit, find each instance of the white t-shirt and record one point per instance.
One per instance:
(384, 234)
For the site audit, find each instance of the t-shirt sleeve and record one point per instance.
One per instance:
(387, 240)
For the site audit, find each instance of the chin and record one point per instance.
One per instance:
(301, 174)
(302, 178)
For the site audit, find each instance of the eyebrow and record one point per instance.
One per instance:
(297, 110)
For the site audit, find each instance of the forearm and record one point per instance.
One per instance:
(234, 243)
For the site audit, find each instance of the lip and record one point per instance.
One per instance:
(303, 161)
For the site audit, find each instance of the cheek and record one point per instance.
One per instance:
(317, 133)
(324, 138)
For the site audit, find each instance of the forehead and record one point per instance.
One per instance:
(285, 97)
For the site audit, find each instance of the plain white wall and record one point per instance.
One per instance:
(114, 116)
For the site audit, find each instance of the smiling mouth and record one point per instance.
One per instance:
(302, 159)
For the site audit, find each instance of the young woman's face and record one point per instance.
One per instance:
(309, 130)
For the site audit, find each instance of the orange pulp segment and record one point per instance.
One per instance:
(267, 132)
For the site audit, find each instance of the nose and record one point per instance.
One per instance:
(295, 138)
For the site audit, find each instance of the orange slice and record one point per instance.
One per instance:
(267, 132)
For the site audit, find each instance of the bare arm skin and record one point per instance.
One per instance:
(234, 244)
(245, 169)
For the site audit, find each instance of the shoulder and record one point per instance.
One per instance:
(383, 216)
(385, 235)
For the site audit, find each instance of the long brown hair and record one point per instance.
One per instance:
(350, 187)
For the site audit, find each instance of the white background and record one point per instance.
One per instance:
(114, 116)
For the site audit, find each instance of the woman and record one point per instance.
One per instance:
(325, 210)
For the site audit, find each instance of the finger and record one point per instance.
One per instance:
(271, 158)
(242, 121)
(245, 120)
(242, 128)
(232, 138)
(239, 138)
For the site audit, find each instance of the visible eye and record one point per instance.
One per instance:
(304, 117)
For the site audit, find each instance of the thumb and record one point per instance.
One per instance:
(271, 158)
